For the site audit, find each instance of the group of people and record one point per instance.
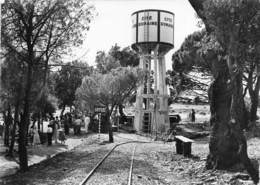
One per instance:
(76, 122)
(54, 131)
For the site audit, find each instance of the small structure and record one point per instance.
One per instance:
(183, 145)
(174, 120)
(152, 38)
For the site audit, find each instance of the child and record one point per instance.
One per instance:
(36, 137)
(62, 137)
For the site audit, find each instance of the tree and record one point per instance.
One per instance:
(233, 24)
(125, 56)
(40, 31)
(105, 62)
(67, 80)
(12, 90)
(192, 57)
(197, 53)
(109, 90)
(115, 58)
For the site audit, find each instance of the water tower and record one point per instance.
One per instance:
(152, 38)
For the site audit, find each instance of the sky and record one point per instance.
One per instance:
(112, 25)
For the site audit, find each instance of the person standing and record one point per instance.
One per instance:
(86, 121)
(66, 124)
(192, 115)
(77, 125)
(49, 135)
(55, 129)
(70, 119)
(62, 137)
(44, 128)
(36, 137)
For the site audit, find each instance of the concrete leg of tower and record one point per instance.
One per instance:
(163, 117)
(161, 123)
(138, 114)
(139, 101)
(159, 117)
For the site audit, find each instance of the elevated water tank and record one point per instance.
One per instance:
(152, 27)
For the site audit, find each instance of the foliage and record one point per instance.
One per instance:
(193, 57)
(105, 62)
(203, 50)
(125, 56)
(235, 26)
(12, 81)
(46, 104)
(236, 18)
(37, 32)
(53, 26)
(109, 89)
(68, 79)
(198, 53)
(116, 57)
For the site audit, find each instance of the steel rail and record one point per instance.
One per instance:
(85, 180)
(131, 168)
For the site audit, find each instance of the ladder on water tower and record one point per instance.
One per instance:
(147, 122)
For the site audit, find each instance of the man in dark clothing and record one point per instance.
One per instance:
(192, 115)
(65, 122)
(49, 135)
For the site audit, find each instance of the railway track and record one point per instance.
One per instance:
(95, 168)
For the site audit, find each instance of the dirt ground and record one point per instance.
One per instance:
(155, 163)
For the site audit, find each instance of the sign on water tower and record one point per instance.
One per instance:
(153, 26)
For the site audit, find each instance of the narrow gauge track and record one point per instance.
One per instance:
(92, 172)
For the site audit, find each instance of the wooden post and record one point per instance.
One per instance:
(99, 125)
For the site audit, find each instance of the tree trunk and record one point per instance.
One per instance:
(23, 126)
(8, 124)
(254, 101)
(122, 115)
(110, 131)
(22, 144)
(6, 130)
(228, 117)
(253, 110)
(16, 115)
(227, 142)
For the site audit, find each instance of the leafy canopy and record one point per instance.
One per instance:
(45, 29)
(109, 89)
(68, 79)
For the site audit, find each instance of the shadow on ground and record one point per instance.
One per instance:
(70, 165)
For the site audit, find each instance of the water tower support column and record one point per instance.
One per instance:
(156, 103)
(139, 100)
(163, 117)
